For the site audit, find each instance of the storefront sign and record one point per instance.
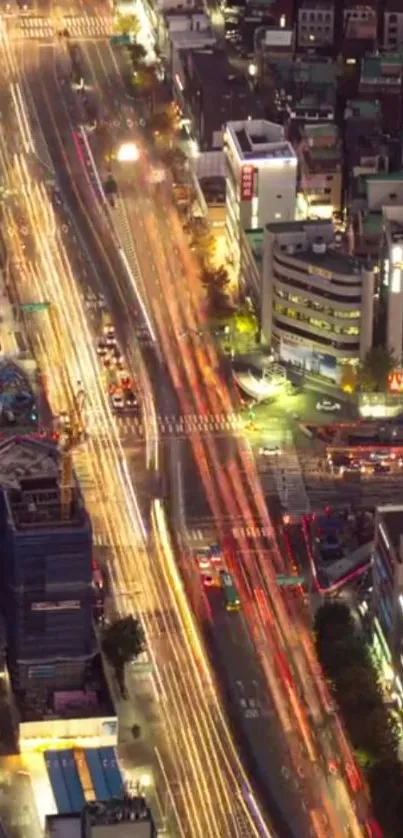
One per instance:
(247, 183)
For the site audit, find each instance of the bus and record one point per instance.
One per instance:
(231, 598)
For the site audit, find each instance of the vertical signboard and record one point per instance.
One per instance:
(247, 183)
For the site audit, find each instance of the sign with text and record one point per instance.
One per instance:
(247, 183)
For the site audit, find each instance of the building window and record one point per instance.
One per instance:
(329, 178)
(392, 18)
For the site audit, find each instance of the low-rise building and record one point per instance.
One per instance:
(178, 31)
(212, 93)
(392, 24)
(129, 817)
(320, 169)
(381, 79)
(316, 21)
(366, 151)
(360, 23)
(261, 177)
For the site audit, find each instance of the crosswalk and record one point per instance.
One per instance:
(290, 482)
(186, 425)
(78, 27)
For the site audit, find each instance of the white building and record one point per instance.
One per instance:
(393, 278)
(261, 175)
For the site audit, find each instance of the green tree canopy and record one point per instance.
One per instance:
(123, 641)
(385, 780)
(216, 283)
(127, 24)
(137, 54)
(375, 369)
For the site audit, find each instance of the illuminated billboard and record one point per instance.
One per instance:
(247, 183)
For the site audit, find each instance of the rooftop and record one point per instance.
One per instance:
(394, 6)
(391, 519)
(385, 177)
(316, 247)
(326, 5)
(382, 69)
(18, 408)
(372, 223)
(93, 701)
(362, 109)
(215, 87)
(321, 129)
(126, 818)
(260, 140)
(29, 477)
(123, 815)
(333, 261)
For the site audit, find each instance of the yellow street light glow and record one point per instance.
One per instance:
(127, 153)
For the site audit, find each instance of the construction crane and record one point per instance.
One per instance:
(72, 436)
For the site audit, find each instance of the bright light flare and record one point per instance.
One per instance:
(127, 153)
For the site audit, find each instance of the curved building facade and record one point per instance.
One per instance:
(316, 301)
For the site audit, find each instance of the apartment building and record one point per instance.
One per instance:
(320, 169)
(316, 21)
(393, 25)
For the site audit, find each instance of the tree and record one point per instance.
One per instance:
(137, 54)
(216, 283)
(204, 242)
(175, 158)
(144, 79)
(375, 369)
(128, 24)
(348, 378)
(123, 641)
(385, 780)
(164, 122)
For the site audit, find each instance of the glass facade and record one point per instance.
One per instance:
(47, 595)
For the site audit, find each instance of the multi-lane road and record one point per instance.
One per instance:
(138, 254)
(195, 761)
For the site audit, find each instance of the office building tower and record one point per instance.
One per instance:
(46, 569)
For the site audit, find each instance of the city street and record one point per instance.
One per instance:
(194, 753)
(228, 476)
(141, 260)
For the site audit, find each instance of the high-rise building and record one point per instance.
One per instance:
(46, 569)
(261, 177)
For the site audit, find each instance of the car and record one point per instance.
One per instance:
(110, 337)
(125, 380)
(102, 349)
(131, 399)
(269, 450)
(328, 406)
(117, 357)
(117, 401)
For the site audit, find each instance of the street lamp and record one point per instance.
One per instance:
(127, 153)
